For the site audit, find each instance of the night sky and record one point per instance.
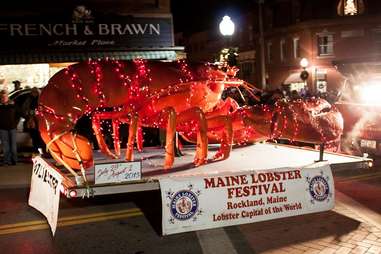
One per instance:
(196, 15)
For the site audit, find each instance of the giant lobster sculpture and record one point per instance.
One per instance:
(171, 95)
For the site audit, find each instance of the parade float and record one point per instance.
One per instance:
(251, 182)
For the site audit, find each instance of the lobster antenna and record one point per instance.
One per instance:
(252, 86)
(243, 97)
(247, 88)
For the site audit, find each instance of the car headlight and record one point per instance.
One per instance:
(371, 94)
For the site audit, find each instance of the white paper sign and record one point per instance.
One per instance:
(118, 172)
(196, 203)
(45, 191)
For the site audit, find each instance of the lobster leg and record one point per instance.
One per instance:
(171, 129)
(131, 137)
(168, 114)
(115, 128)
(202, 139)
(223, 123)
(98, 134)
(139, 139)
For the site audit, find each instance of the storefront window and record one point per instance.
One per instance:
(321, 80)
(30, 75)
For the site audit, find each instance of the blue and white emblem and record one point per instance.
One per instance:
(318, 188)
(183, 205)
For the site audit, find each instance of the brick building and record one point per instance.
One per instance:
(337, 38)
(324, 34)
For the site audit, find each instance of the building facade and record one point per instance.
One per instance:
(337, 37)
(330, 34)
(46, 33)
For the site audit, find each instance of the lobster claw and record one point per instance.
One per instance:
(312, 121)
(68, 148)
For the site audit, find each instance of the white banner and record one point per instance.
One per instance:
(118, 172)
(197, 203)
(45, 191)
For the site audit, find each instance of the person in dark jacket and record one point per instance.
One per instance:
(8, 125)
(28, 109)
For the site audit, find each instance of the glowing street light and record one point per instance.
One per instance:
(227, 26)
(304, 74)
(304, 63)
(227, 54)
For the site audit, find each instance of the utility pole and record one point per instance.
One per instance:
(261, 45)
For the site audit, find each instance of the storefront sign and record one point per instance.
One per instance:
(87, 32)
(118, 172)
(45, 191)
(198, 203)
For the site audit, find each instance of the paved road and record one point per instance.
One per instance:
(362, 185)
(131, 224)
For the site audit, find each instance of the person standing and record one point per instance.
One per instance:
(17, 86)
(8, 125)
(28, 109)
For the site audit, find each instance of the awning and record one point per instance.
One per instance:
(359, 67)
(293, 78)
(60, 57)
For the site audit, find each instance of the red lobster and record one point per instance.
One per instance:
(169, 95)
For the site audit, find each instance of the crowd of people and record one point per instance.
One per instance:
(11, 113)
(271, 96)
(8, 126)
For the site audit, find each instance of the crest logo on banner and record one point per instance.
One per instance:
(318, 188)
(184, 204)
(81, 14)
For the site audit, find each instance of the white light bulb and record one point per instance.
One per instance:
(227, 26)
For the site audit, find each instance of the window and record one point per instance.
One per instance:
(321, 80)
(269, 52)
(296, 48)
(350, 7)
(282, 49)
(246, 72)
(325, 45)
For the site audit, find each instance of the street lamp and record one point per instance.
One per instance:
(304, 63)
(227, 26)
(228, 54)
(304, 74)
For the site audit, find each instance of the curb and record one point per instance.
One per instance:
(362, 211)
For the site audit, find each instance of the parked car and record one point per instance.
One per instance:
(361, 110)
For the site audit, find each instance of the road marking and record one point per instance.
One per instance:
(68, 221)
